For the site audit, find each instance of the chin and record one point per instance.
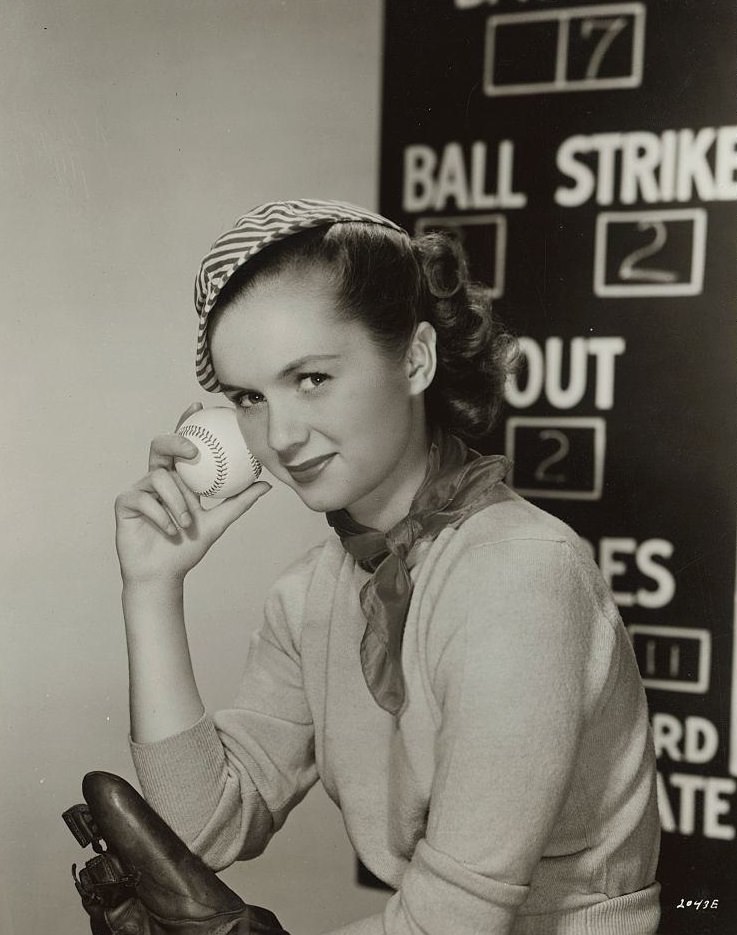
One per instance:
(318, 501)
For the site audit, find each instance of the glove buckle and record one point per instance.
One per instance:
(80, 822)
(104, 881)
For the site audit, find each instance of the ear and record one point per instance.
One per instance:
(421, 358)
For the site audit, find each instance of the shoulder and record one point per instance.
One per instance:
(315, 570)
(299, 574)
(508, 538)
(511, 517)
(528, 543)
(519, 545)
(513, 567)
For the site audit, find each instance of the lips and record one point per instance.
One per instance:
(308, 470)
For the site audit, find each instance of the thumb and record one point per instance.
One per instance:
(227, 512)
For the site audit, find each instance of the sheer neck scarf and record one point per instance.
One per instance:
(458, 483)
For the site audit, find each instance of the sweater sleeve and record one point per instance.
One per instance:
(518, 654)
(226, 784)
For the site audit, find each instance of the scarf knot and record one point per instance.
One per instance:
(458, 483)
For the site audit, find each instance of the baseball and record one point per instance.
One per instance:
(224, 465)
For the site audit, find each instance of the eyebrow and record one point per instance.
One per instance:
(298, 364)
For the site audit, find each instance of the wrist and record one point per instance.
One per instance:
(164, 584)
(157, 600)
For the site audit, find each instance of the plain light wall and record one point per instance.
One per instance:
(132, 134)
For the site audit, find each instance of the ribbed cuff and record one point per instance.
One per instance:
(437, 887)
(630, 914)
(182, 776)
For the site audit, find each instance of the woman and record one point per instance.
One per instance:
(450, 663)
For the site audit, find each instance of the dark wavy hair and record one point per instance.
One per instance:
(390, 282)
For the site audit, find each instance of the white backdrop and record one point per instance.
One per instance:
(132, 135)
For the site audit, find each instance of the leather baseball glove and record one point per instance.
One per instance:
(146, 881)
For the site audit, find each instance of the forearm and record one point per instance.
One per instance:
(164, 698)
(440, 895)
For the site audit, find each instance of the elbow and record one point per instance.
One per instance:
(221, 843)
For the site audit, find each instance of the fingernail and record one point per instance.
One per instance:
(171, 529)
(185, 518)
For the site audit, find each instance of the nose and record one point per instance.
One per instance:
(286, 431)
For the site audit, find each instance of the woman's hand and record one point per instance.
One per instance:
(162, 531)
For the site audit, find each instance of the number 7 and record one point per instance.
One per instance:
(612, 28)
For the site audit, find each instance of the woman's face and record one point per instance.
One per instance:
(318, 403)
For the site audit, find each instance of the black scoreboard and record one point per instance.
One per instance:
(586, 156)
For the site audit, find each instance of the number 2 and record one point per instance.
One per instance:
(559, 454)
(629, 270)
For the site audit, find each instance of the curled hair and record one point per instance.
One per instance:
(475, 351)
(390, 282)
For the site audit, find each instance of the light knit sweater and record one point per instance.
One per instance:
(515, 792)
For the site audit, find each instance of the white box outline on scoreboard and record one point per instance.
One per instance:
(694, 286)
(497, 290)
(733, 704)
(701, 685)
(597, 423)
(560, 82)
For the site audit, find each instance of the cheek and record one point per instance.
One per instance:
(379, 421)
(378, 390)
(385, 399)
(253, 430)
(356, 419)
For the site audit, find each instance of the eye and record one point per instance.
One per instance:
(311, 381)
(248, 400)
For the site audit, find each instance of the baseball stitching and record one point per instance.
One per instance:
(255, 465)
(218, 454)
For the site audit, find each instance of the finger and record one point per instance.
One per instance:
(136, 503)
(164, 484)
(226, 513)
(165, 448)
(190, 410)
(191, 498)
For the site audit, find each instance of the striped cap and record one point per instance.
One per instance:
(264, 225)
